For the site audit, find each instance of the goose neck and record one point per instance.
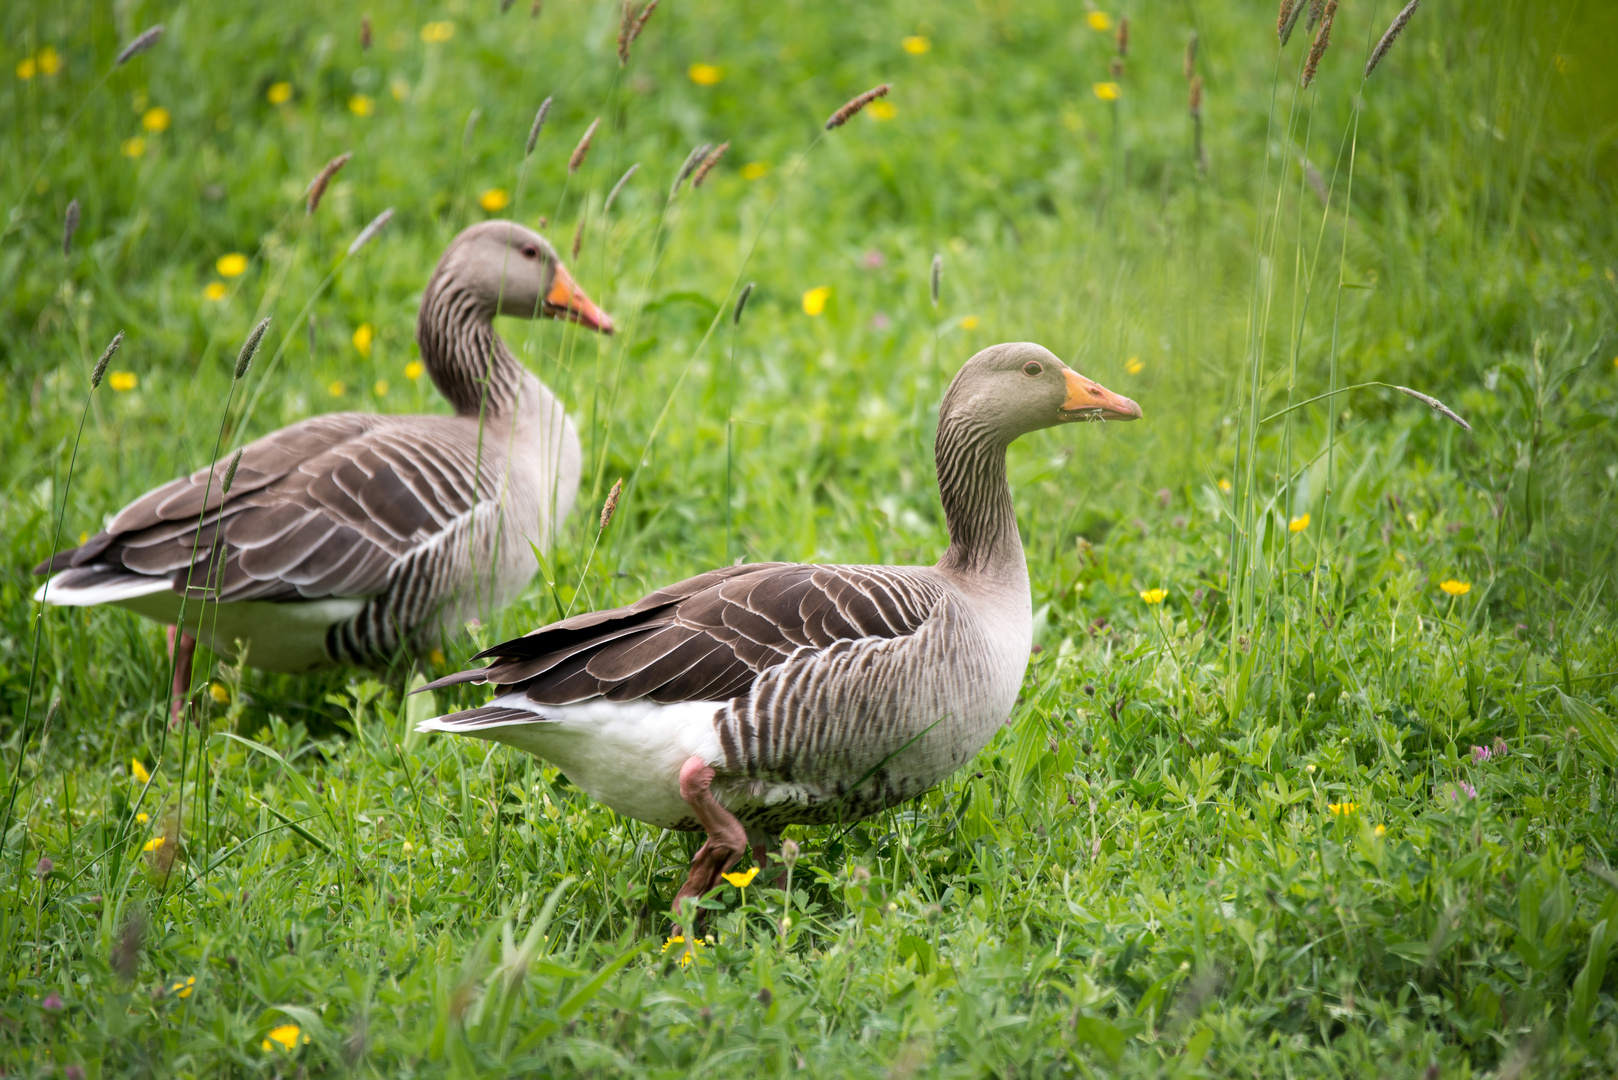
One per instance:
(467, 360)
(983, 539)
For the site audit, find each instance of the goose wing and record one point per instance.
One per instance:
(710, 637)
(323, 508)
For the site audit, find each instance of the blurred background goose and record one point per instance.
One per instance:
(348, 537)
(753, 697)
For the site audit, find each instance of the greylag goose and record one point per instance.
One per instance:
(347, 537)
(753, 697)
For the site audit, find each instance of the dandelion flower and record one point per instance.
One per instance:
(1155, 596)
(132, 148)
(1224, 485)
(1134, 365)
(287, 1036)
(279, 93)
(232, 265)
(1455, 588)
(758, 170)
(155, 119)
(215, 290)
(122, 381)
(744, 879)
(413, 370)
(184, 987)
(137, 770)
(154, 843)
(336, 388)
(1342, 809)
(970, 322)
(705, 74)
(814, 301)
(494, 200)
(364, 334)
(436, 33)
(1107, 91)
(916, 45)
(361, 105)
(883, 110)
(1298, 524)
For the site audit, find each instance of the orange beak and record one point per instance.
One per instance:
(567, 301)
(1089, 400)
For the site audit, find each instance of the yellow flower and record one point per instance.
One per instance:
(184, 987)
(743, 879)
(84, 538)
(361, 105)
(686, 955)
(409, 848)
(413, 370)
(279, 93)
(1380, 830)
(1099, 21)
(1155, 596)
(155, 119)
(1106, 91)
(399, 89)
(232, 265)
(287, 1035)
(136, 769)
(336, 388)
(141, 819)
(380, 388)
(883, 110)
(436, 658)
(1309, 768)
(1134, 365)
(814, 301)
(364, 334)
(1224, 485)
(435, 33)
(122, 380)
(970, 322)
(1298, 524)
(132, 148)
(1343, 809)
(49, 61)
(26, 68)
(915, 45)
(1455, 588)
(494, 200)
(154, 843)
(219, 693)
(705, 74)
(215, 290)
(758, 170)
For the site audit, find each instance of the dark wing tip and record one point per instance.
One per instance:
(470, 675)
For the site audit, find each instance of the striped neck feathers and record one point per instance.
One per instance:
(983, 537)
(468, 362)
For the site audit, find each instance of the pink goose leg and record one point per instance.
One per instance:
(726, 837)
(182, 674)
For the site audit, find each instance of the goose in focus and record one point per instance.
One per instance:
(347, 537)
(753, 697)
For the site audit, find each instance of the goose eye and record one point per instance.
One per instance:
(1032, 368)
(529, 251)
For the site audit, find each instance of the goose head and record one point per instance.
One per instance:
(1020, 387)
(512, 270)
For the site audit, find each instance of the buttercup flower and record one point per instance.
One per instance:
(50, 61)
(184, 987)
(686, 955)
(122, 381)
(154, 843)
(132, 148)
(232, 265)
(361, 105)
(1134, 366)
(413, 370)
(1155, 596)
(155, 119)
(287, 1036)
(1099, 21)
(915, 45)
(380, 388)
(219, 693)
(1342, 809)
(336, 388)
(1224, 485)
(970, 322)
(883, 110)
(705, 74)
(364, 334)
(1298, 524)
(814, 301)
(435, 33)
(1106, 91)
(1455, 588)
(755, 170)
(744, 879)
(215, 290)
(137, 770)
(279, 93)
(494, 200)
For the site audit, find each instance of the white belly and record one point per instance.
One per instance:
(287, 635)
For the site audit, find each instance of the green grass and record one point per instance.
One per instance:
(1143, 873)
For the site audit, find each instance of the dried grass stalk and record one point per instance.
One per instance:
(1191, 56)
(317, 187)
(852, 108)
(581, 151)
(100, 370)
(144, 41)
(365, 33)
(937, 277)
(244, 359)
(1322, 40)
(612, 196)
(1395, 28)
(578, 238)
(1290, 10)
(1435, 405)
(70, 225)
(692, 160)
(368, 233)
(230, 471)
(611, 505)
(708, 163)
(538, 126)
(741, 304)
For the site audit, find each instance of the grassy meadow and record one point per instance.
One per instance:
(1316, 767)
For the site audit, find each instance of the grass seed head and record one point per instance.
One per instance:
(539, 125)
(1290, 10)
(612, 196)
(144, 41)
(244, 359)
(1316, 8)
(1435, 405)
(70, 225)
(626, 25)
(611, 505)
(851, 108)
(1194, 99)
(230, 471)
(1322, 40)
(581, 151)
(51, 715)
(937, 277)
(538, 6)
(741, 304)
(106, 358)
(1122, 38)
(317, 187)
(692, 160)
(578, 238)
(365, 33)
(1191, 56)
(640, 20)
(708, 163)
(368, 233)
(1395, 28)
